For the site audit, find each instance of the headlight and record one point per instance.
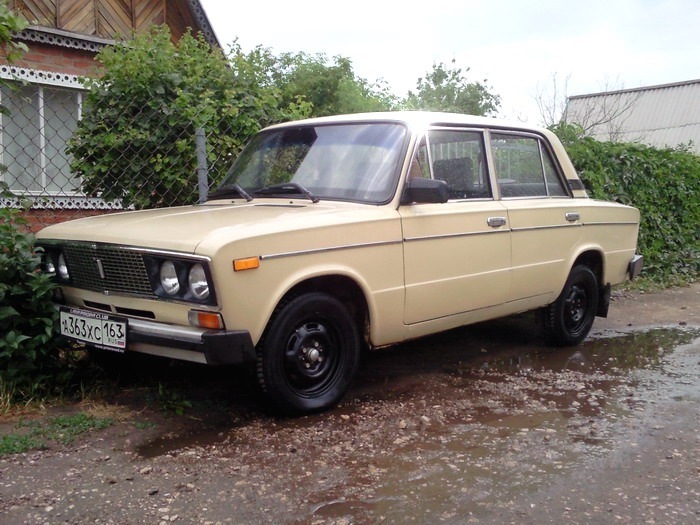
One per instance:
(180, 278)
(168, 278)
(63, 268)
(49, 266)
(199, 287)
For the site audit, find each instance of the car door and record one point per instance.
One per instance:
(456, 254)
(544, 221)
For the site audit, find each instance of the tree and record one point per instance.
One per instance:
(330, 86)
(447, 89)
(604, 113)
(551, 101)
(10, 23)
(135, 142)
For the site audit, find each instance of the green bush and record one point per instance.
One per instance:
(135, 141)
(663, 183)
(10, 24)
(28, 348)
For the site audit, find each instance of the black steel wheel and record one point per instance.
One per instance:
(309, 354)
(569, 319)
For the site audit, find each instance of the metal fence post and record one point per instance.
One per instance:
(200, 141)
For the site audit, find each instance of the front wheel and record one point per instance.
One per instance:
(568, 320)
(309, 354)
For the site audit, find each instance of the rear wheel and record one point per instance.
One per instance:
(568, 320)
(309, 354)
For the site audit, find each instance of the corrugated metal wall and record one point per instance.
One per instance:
(666, 115)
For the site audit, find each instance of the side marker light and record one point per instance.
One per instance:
(250, 263)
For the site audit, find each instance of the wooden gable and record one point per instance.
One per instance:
(115, 19)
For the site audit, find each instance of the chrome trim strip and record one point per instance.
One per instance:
(535, 197)
(552, 227)
(453, 235)
(328, 249)
(149, 251)
(611, 223)
(181, 333)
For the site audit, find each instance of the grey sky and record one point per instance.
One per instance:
(516, 45)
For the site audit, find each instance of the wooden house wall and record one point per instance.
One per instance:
(111, 19)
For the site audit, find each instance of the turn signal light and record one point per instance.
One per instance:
(251, 263)
(210, 320)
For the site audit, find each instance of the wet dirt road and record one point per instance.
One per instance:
(479, 425)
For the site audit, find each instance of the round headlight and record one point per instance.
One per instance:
(63, 268)
(50, 267)
(199, 287)
(168, 278)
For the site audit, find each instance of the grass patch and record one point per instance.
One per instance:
(18, 443)
(171, 401)
(144, 425)
(37, 435)
(64, 429)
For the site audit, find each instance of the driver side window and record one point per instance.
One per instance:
(458, 159)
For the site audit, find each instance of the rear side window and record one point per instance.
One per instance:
(524, 167)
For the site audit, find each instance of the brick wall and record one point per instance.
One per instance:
(39, 219)
(59, 59)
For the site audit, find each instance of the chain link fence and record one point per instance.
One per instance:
(150, 159)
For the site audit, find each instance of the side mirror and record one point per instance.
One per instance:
(425, 191)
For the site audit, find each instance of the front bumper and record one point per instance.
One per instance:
(213, 347)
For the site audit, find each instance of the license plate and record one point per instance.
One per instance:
(97, 329)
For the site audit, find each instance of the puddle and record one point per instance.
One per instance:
(541, 414)
(172, 442)
(612, 354)
(458, 438)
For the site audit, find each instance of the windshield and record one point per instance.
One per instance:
(357, 162)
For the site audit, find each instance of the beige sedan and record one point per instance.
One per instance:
(334, 234)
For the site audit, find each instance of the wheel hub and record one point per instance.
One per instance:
(309, 356)
(576, 305)
(312, 355)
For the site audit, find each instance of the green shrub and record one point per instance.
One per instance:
(10, 24)
(135, 141)
(28, 348)
(663, 183)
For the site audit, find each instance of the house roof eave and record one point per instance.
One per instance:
(200, 15)
(59, 37)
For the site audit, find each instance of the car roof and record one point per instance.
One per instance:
(414, 119)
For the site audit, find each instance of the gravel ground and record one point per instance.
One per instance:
(483, 424)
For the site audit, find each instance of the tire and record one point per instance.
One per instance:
(568, 320)
(308, 355)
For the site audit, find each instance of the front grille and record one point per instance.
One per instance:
(108, 269)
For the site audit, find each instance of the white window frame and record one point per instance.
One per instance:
(43, 198)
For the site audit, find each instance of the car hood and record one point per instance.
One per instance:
(209, 225)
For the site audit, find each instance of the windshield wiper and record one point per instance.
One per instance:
(286, 188)
(229, 190)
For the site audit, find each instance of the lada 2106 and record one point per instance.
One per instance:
(334, 234)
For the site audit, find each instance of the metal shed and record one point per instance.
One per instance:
(666, 115)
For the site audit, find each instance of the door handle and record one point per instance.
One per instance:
(573, 216)
(495, 222)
